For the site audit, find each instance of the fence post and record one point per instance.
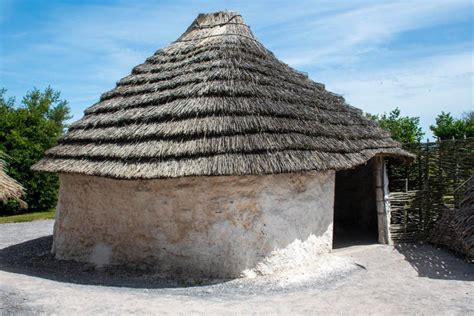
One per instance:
(382, 201)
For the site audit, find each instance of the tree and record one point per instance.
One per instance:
(405, 129)
(26, 132)
(448, 127)
(468, 117)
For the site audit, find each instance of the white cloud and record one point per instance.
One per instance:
(421, 88)
(342, 37)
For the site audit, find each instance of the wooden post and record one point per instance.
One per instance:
(382, 202)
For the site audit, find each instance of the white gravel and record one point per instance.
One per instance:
(15, 233)
(410, 279)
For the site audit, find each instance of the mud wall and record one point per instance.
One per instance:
(197, 226)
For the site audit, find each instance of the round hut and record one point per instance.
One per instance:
(209, 157)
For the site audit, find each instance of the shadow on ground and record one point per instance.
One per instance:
(34, 258)
(435, 263)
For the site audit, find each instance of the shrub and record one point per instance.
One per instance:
(26, 132)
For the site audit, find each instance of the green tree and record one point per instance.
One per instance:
(26, 132)
(405, 129)
(448, 127)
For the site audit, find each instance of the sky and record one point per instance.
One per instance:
(414, 54)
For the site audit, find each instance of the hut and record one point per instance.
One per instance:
(212, 155)
(10, 189)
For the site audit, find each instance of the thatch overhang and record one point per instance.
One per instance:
(217, 102)
(10, 189)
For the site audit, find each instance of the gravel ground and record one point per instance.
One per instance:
(11, 234)
(410, 279)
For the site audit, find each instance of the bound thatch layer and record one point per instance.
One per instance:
(455, 229)
(217, 102)
(9, 187)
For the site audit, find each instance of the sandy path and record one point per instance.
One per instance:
(412, 279)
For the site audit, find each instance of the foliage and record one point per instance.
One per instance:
(447, 127)
(26, 131)
(404, 129)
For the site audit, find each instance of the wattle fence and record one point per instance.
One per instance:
(422, 191)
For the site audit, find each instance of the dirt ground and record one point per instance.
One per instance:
(407, 279)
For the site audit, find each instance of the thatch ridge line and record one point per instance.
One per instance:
(258, 61)
(197, 25)
(140, 159)
(105, 138)
(225, 89)
(222, 126)
(179, 54)
(206, 136)
(121, 103)
(217, 165)
(175, 115)
(209, 113)
(154, 147)
(218, 53)
(220, 106)
(227, 29)
(164, 150)
(198, 54)
(218, 66)
(207, 56)
(179, 50)
(187, 79)
(160, 99)
(261, 88)
(210, 26)
(214, 35)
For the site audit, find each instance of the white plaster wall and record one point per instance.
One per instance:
(194, 226)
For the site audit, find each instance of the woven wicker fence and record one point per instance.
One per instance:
(422, 191)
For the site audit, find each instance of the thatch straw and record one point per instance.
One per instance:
(10, 189)
(217, 102)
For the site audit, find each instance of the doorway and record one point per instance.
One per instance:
(355, 207)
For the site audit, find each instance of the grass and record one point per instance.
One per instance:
(28, 217)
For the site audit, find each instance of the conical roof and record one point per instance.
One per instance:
(216, 102)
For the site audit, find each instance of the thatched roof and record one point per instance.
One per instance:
(9, 187)
(216, 102)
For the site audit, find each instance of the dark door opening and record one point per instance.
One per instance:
(355, 209)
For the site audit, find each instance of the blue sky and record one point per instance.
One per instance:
(417, 55)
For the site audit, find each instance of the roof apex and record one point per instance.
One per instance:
(211, 25)
(211, 17)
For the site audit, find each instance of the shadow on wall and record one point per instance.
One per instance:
(434, 263)
(34, 258)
